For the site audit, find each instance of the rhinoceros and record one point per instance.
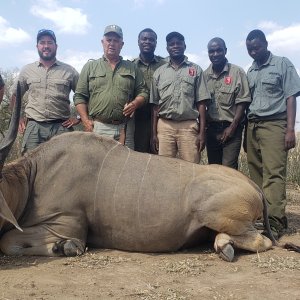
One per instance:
(81, 189)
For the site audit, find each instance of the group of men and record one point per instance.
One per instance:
(170, 106)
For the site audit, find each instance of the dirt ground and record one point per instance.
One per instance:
(193, 274)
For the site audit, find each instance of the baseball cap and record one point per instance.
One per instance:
(174, 34)
(114, 28)
(48, 32)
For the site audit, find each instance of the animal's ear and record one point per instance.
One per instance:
(6, 213)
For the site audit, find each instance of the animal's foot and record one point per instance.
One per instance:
(227, 253)
(69, 247)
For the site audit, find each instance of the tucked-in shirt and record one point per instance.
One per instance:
(227, 89)
(177, 91)
(1, 82)
(106, 91)
(270, 85)
(144, 112)
(48, 90)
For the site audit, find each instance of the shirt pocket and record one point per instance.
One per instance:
(271, 86)
(34, 87)
(188, 86)
(126, 82)
(62, 87)
(165, 90)
(226, 96)
(97, 81)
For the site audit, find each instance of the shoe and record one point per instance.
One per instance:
(276, 232)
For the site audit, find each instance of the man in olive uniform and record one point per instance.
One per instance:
(274, 85)
(229, 90)
(110, 89)
(1, 88)
(147, 62)
(178, 94)
(48, 83)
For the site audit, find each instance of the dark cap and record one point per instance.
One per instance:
(48, 32)
(174, 34)
(114, 28)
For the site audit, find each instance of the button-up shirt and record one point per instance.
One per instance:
(177, 91)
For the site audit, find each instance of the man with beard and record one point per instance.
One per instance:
(178, 94)
(229, 90)
(48, 83)
(147, 62)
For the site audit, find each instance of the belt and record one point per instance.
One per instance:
(47, 122)
(113, 122)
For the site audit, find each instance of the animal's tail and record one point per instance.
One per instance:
(288, 246)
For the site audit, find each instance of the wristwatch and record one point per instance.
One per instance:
(78, 117)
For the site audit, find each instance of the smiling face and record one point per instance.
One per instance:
(147, 42)
(216, 52)
(112, 45)
(46, 47)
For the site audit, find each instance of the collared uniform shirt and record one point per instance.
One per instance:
(148, 71)
(48, 90)
(106, 91)
(1, 82)
(227, 89)
(270, 85)
(177, 91)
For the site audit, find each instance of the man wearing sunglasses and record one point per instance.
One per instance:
(48, 83)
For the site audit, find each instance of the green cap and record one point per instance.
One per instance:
(114, 28)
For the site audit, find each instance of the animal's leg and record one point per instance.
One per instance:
(251, 240)
(39, 241)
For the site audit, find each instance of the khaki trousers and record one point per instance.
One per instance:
(178, 138)
(267, 160)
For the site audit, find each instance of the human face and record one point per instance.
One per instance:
(258, 50)
(46, 48)
(216, 53)
(112, 45)
(176, 47)
(147, 42)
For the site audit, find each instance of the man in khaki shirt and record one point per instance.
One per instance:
(48, 83)
(178, 94)
(229, 90)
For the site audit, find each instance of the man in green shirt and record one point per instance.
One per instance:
(110, 89)
(274, 85)
(178, 95)
(230, 93)
(147, 62)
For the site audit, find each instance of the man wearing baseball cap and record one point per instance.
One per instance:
(178, 94)
(48, 83)
(110, 89)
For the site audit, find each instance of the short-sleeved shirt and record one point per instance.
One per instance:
(227, 89)
(106, 91)
(177, 91)
(144, 112)
(270, 85)
(48, 90)
(1, 82)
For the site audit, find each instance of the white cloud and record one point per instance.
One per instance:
(285, 41)
(201, 60)
(10, 36)
(269, 25)
(66, 19)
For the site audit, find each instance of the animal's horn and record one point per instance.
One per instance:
(6, 213)
(12, 132)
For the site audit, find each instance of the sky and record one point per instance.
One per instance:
(79, 26)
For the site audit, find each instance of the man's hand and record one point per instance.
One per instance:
(129, 109)
(200, 142)
(290, 140)
(88, 125)
(154, 144)
(22, 125)
(70, 122)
